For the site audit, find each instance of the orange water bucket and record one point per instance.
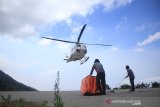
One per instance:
(88, 86)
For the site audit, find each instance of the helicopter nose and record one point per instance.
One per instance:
(77, 50)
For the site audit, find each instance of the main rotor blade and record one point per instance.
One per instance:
(96, 44)
(80, 34)
(58, 40)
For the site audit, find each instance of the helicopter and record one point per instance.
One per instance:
(79, 51)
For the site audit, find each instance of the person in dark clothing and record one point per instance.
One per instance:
(131, 77)
(100, 78)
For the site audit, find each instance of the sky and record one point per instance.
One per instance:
(132, 27)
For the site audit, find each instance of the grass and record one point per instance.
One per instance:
(6, 102)
(19, 104)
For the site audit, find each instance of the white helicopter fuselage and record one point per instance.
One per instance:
(77, 53)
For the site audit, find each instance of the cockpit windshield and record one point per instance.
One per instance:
(84, 46)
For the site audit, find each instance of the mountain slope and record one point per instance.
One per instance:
(7, 83)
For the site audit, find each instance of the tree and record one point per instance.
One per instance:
(142, 85)
(108, 87)
(155, 84)
(125, 86)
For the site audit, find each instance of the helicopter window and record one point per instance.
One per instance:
(84, 46)
(73, 48)
(78, 45)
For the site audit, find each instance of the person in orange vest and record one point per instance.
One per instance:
(100, 78)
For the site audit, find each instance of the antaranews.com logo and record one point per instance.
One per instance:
(123, 101)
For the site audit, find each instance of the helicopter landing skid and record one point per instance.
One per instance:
(85, 60)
